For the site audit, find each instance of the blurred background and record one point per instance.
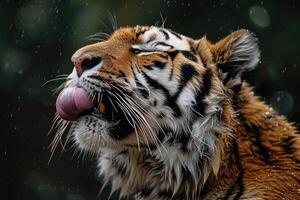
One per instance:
(38, 37)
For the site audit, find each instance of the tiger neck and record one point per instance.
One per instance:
(179, 167)
(165, 173)
(189, 167)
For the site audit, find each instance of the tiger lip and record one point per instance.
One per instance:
(75, 102)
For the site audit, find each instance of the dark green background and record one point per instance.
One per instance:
(37, 39)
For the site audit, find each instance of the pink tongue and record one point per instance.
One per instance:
(71, 102)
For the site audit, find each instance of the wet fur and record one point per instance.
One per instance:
(207, 137)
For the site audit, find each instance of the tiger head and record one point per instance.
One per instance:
(145, 86)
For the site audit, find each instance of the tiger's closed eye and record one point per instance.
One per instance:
(136, 50)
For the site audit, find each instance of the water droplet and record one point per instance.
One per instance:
(284, 70)
(259, 16)
(283, 102)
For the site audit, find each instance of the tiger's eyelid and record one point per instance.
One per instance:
(136, 48)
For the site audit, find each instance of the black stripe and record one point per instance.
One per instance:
(163, 133)
(170, 101)
(165, 193)
(123, 128)
(235, 98)
(145, 192)
(158, 64)
(287, 145)
(261, 149)
(164, 56)
(205, 190)
(189, 55)
(123, 152)
(165, 34)
(164, 44)
(121, 168)
(199, 108)
(175, 34)
(121, 131)
(173, 54)
(171, 73)
(186, 173)
(133, 71)
(152, 38)
(141, 88)
(156, 85)
(149, 67)
(122, 74)
(232, 68)
(187, 73)
(238, 184)
(182, 138)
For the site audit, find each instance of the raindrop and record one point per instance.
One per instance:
(283, 102)
(284, 70)
(6, 65)
(259, 16)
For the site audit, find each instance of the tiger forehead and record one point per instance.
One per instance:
(146, 35)
(166, 37)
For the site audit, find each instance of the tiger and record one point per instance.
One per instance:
(171, 117)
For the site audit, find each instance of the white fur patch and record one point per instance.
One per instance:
(179, 44)
(90, 133)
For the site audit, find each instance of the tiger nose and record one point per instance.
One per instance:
(84, 62)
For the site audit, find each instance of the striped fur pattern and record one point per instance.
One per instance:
(192, 128)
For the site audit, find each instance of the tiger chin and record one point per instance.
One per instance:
(170, 117)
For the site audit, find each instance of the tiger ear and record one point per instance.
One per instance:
(234, 55)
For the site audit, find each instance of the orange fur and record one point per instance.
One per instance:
(256, 154)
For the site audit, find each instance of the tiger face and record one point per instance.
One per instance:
(146, 85)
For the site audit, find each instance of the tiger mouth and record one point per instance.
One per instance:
(74, 103)
(105, 108)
